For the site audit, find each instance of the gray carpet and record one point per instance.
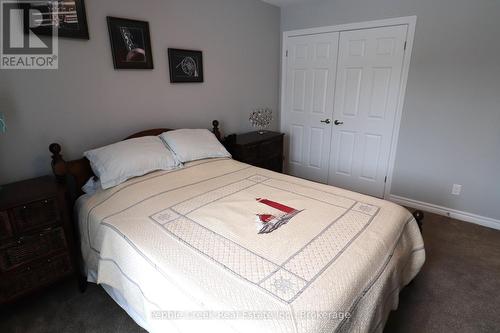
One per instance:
(458, 290)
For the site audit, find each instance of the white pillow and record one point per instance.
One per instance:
(120, 161)
(194, 144)
(92, 185)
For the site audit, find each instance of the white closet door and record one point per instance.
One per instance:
(367, 89)
(308, 109)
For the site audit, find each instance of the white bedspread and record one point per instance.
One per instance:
(183, 251)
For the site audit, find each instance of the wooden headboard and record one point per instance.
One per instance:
(76, 173)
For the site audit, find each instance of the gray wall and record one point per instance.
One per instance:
(86, 103)
(450, 131)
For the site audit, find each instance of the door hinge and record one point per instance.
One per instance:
(286, 53)
(385, 179)
(405, 46)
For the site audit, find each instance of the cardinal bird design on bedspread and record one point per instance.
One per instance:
(268, 223)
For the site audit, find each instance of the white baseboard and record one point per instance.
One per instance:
(453, 213)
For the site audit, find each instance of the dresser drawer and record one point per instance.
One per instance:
(29, 248)
(36, 236)
(35, 215)
(5, 227)
(30, 277)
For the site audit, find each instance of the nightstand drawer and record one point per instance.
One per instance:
(274, 164)
(35, 215)
(272, 148)
(249, 154)
(5, 227)
(264, 150)
(29, 248)
(30, 277)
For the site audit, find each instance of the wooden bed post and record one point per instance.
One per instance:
(60, 170)
(419, 216)
(215, 130)
(58, 163)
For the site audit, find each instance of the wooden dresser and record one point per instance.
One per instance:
(262, 150)
(36, 247)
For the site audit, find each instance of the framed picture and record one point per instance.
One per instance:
(67, 16)
(130, 43)
(185, 66)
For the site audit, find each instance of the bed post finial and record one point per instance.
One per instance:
(215, 130)
(419, 216)
(58, 163)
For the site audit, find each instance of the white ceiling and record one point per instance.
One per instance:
(282, 3)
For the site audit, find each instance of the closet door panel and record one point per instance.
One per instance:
(309, 94)
(370, 64)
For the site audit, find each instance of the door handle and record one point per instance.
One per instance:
(337, 122)
(326, 121)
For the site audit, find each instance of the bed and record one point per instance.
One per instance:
(185, 250)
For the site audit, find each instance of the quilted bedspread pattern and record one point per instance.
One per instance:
(220, 245)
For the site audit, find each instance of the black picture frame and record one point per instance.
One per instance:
(130, 43)
(185, 66)
(72, 18)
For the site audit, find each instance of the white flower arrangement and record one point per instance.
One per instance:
(261, 118)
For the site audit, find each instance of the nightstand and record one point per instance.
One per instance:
(36, 239)
(261, 150)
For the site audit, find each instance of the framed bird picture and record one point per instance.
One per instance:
(185, 66)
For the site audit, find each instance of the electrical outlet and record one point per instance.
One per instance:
(457, 189)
